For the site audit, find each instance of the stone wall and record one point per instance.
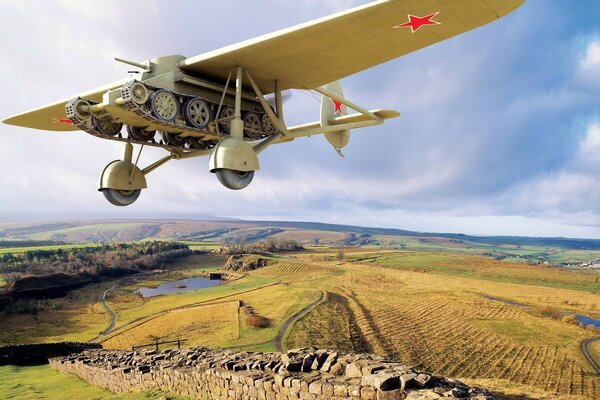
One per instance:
(36, 354)
(298, 374)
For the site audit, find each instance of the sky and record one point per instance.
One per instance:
(499, 133)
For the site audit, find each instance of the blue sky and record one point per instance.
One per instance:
(499, 134)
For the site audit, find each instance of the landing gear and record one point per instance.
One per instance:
(234, 180)
(121, 198)
(122, 182)
(164, 105)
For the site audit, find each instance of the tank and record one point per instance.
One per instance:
(162, 106)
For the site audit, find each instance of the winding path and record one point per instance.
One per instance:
(585, 349)
(111, 314)
(294, 318)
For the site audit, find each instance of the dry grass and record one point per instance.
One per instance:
(296, 270)
(327, 327)
(209, 325)
(77, 317)
(440, 322)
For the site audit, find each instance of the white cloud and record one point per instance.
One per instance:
(590, 145)
(590, 62)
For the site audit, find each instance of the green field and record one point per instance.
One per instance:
(467, 266)
(15, 250)
(43, 383)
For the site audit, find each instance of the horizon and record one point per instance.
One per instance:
(83, 220)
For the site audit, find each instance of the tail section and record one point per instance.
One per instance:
(331, 109)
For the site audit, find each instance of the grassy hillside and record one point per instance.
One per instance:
(34, 383)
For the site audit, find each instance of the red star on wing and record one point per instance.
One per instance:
(337, 106)
(415, 23)
(62, 121)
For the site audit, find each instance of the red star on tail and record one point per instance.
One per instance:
(415, 23)
(337, 106)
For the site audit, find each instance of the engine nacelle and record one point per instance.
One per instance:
(331, 109)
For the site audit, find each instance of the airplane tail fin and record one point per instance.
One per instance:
(330, 109)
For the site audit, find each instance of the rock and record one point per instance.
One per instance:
(307, 362)
(354, 370)
(422, 380)
(407, 381)
(329, 362)
(382, 381)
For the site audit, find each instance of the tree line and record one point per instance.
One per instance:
(104, 260)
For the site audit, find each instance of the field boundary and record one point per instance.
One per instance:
(290, 321)
(111, 314)
(216, 300)
(588, 355)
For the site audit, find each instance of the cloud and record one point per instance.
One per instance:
(590, 145)
(495, 125)
(590, 62)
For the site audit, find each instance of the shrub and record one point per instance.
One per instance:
(257, 321)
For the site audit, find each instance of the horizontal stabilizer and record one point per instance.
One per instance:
(346, 119)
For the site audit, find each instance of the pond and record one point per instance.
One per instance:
(586, 321)
(180, 286)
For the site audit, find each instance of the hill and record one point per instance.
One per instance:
(556, 251)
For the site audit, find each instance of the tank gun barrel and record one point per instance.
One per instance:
(145, 67)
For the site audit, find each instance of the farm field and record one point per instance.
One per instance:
(441, 321)
(16, 250)
(207, 325)
(478, 319)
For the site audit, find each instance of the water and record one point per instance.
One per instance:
(190, 284)
(588, 321)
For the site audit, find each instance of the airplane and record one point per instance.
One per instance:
(219, 104)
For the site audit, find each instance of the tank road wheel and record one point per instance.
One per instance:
(164, 105)
(267, 125)
(252, 125)
(197, 113)
(121, 198)
(226, 112)
(106, 126)
(139, 93)
(78, 110)
(198, 144)
(173, 139)
(139, 134)
(234, 180)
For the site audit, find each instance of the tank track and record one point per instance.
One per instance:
(87, 126)
(143, 112)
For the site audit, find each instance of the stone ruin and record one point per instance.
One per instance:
(244, 263)
(298, 374)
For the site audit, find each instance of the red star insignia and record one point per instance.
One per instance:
(337, 106)
(62, 121)
(415, 23)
